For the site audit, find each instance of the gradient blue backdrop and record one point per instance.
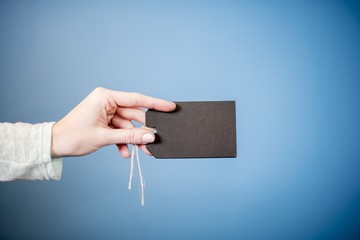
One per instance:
(292, 67)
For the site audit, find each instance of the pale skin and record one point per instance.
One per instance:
(104, 118)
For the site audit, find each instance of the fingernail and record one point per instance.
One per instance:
(174, 105)
(148, 138)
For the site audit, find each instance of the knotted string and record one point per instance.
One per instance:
(135, 151)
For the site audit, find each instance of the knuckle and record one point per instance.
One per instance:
(99, 90)
(137, 96)
(129, 137)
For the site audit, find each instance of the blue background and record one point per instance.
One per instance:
(292, 67)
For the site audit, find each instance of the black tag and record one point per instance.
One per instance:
(194, 130)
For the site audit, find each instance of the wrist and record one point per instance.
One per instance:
(55, 149)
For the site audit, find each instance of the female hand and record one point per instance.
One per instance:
(104, 118)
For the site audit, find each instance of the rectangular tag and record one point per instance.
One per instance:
(194, 130)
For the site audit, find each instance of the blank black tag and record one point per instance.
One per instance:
(194, 130)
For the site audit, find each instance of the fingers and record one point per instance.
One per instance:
(124, 150)
(125, 153)
(127, 136)
(128, 108)
(145, 150)
(135, 114)
(125, 99)
(119, 122)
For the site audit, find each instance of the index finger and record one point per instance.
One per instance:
(126, 99)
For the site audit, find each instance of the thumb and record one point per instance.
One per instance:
(129, 136)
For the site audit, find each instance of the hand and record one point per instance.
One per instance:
(104, 118)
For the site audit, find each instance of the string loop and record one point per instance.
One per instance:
(135, 151)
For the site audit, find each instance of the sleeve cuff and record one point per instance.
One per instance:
(53, 166)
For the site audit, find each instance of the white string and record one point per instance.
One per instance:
(135, 151)
(140, 175)
(131, 167)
